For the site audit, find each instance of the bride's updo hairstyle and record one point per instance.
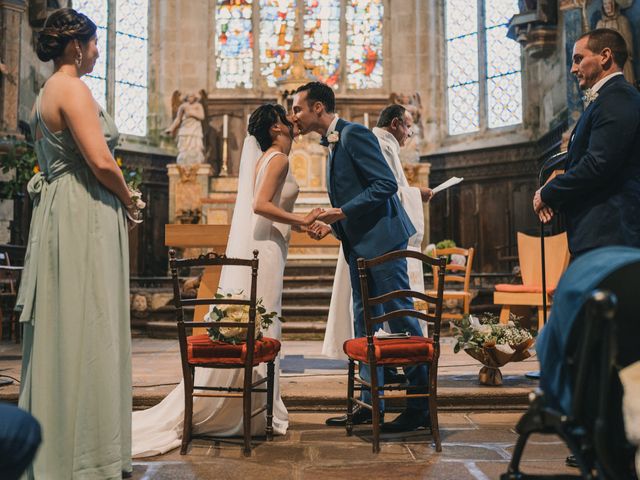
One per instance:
(61, 27)
(262, 119)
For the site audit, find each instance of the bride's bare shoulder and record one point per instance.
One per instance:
(276, 161)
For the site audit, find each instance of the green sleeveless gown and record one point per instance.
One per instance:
(74, 297)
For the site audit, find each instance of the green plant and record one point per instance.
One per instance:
(17, 156)
(445, 244)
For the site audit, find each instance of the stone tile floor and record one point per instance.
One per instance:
(477, 423)
(476, 446)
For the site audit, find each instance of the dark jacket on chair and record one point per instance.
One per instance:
(599, 193)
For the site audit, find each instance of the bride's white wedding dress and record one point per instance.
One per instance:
(159, 429)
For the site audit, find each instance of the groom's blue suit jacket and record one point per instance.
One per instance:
(361, 183)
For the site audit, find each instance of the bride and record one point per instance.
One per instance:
(267, 192)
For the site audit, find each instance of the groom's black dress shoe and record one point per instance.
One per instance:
(571, 461)
(407, 421)
(361, 416)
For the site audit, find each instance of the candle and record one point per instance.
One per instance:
(366, 119)
(225, 125)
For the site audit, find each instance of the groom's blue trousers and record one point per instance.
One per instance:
(385, 278)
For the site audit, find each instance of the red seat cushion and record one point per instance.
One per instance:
(394, 351)
(201, 349)
(511, 288)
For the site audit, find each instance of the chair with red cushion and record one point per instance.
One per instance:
(396, 352)
(200, 351)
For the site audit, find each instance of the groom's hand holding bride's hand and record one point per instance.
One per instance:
(312, 216)
(332, 215)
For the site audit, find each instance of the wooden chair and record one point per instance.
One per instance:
(397, 352)
(530, 291)
(457, 274)
(9, 279)
(200, 351)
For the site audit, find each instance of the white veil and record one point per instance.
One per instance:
(240, 242)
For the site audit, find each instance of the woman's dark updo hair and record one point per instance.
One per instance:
(262, 119)
(60, 28)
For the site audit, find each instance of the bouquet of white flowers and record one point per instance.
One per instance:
(493, 344)
(238, 314)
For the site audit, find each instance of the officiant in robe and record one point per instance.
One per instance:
(394, 128)
(599, 193)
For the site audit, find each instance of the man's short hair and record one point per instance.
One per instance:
(390, 112)
(601, 38)
(319, 92)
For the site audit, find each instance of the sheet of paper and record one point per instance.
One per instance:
(382, 335)
(449, 183)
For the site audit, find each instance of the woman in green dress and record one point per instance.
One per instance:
(74, 296)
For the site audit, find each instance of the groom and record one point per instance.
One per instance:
(369, 220)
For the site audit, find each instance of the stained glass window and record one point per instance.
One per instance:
(322, 38)
(277, 20)
(127, 84)
(97, 11)
(131, 66)
(497, 75)
(364, 43)
(325, 24)
(234, 43)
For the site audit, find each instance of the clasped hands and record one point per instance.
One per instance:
(545, 213)
(317, 222)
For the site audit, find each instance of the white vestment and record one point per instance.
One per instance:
(340, 319)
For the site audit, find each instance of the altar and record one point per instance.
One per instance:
(205, 194)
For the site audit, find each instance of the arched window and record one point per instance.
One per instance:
(119, 81)
(484, 81)
(333, 29)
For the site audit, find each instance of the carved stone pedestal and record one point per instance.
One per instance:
(188, 184)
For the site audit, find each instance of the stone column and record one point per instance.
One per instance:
(188, 186)
(11, 12)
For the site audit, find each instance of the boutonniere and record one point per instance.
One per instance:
(333, 137)
(589, 96)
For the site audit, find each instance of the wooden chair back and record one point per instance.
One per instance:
(434, 320)
(212, 259)
(460, 274)
(557, 258)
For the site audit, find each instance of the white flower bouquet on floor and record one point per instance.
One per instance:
(493, 344)
(237, 314)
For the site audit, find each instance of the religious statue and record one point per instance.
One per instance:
(613, 19)
(189, 116)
